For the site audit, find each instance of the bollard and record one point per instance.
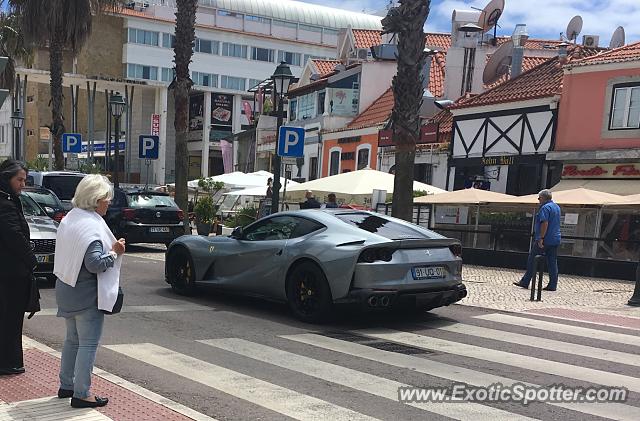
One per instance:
(539, 270)
(635, 299)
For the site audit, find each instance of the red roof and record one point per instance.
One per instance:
(366, 38)
(325, 66)
(377, 113)
(542, 81)
(528, 63)
(625, 53)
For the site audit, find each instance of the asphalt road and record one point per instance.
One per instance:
(261, 374)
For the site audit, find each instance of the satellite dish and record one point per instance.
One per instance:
(618, 38)
(490, 14)
(574, 28)
(499, 63)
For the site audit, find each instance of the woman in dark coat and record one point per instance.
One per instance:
(17, 262)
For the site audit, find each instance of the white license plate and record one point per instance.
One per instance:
(159, 229)
(44, 258)
(429, 272)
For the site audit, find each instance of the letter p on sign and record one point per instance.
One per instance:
(291, 142)
(148, 147)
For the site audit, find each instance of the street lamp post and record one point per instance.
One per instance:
(17, 120)
(117, 105)
(282, 79)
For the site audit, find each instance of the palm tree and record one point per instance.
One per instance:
(63, 25)
(12, 46)
(407, 21)
(181, 85)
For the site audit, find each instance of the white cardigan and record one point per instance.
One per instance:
(77, 230)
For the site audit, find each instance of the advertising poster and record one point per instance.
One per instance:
(343, 101)
(196, 112)
(221, 109)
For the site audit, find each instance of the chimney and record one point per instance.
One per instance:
(519, 39)
(563, 55)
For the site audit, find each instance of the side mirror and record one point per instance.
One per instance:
(237, 233)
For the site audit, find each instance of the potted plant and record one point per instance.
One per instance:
(205, 212)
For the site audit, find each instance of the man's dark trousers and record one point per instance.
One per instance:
(551, 253)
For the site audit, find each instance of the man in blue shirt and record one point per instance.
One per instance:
(546, 241)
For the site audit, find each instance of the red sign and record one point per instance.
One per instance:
(428, 134)
(601, 171)
(155, 124)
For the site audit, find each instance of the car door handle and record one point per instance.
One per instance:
(279, 253)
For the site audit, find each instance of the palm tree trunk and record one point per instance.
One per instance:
(57, 120)
(407, 21)
(181, 85)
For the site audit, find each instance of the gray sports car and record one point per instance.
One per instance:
(315, 259)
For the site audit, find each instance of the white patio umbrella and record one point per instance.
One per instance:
(353, 186)
(465, 196)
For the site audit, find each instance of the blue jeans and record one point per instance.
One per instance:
(79, 352)
(551, 253)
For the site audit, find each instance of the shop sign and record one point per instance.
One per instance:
(221, 109)
(621, 171)
(498, 160)
(155, 124)
(428, 135)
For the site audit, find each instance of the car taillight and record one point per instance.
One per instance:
(456, 249)
(180, 215)
(58, 216)
(129, 214)
(375, 254)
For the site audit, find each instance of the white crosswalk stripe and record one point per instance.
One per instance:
(544, 343)
(365, 382)
(454, 373)
(501, 357)
(285, 401)
(562, 328)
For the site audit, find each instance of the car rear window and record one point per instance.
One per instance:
(64, 186)
(380, 226)
(45, 199)
(29, 207)
(150, 201)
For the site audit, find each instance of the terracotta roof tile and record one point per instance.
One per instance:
(436, 74)
(366, 38)
(377, 113)
(543, 80)
(528, 63)
(625, 53)
(325, 66)
(441, 41)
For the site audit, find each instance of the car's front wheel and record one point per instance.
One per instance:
(308, 293)
(180, 272)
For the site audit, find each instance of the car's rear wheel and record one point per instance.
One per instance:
(181, 272)
(308, 293)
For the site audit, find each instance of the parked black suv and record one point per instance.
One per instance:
(141, 216)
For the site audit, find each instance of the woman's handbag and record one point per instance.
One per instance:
(117, 307)
(33, 303)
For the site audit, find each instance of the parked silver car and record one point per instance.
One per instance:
(43, 236)
(315, 259)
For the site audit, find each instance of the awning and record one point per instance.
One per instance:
(620, 187)
(465, 196)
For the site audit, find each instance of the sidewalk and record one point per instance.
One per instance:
(33, 396)
(602, 301)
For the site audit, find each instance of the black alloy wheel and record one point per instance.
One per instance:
(181, 272)
(308, 293)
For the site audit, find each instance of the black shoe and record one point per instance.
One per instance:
(81, 403)
(12, 370)
(64, 393)
(518, 284)
(548, 289)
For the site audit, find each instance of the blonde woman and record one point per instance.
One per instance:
(87, 264)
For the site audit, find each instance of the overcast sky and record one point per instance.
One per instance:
(544, 18)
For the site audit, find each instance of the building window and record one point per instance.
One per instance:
(254, 82)
(306, 106)
(293, 107)
(205, 79)
(235, 83)
(363, 158)
(423, 173)
(285, 24)
(625, 113)
(167, 74)
(168, 40)
(334, 163)
(321, 97)
(262, 54)
(258, 19)
(234, 50)
(206, 46)
(138, 71)
(290, 58)
(139, 36)
(310, 28)
(313, 168)
(3, 139)
(229, 14)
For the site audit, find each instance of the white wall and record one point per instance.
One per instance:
(438, 160)
(375, 79)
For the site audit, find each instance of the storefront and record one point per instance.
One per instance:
(621, 178)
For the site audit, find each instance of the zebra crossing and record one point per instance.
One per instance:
(377, 362)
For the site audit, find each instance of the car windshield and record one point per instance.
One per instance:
(64, 186)
(29, 207)
(43, 198)
(150, 201)
(381, 226)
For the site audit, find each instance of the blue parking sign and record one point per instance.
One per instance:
(71, 143)
(148, 146)
(291, 141)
